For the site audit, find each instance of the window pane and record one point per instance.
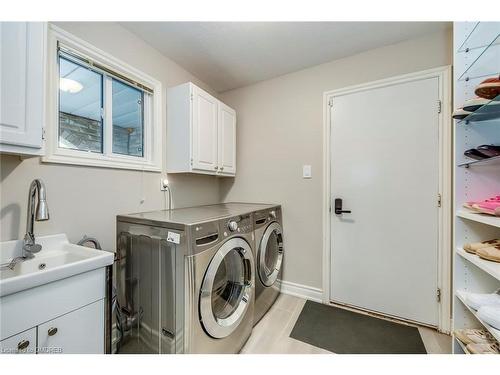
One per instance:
(128, 121)
(80, 103)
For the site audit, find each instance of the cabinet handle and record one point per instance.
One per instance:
(23, 345)
(216, 167)
(221, 168)
(52, 331)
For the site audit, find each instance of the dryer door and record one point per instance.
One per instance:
(270, 256)
(227, 288)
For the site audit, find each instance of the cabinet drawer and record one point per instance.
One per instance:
(22, 343)
(78, 332)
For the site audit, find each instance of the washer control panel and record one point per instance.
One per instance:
(239, 224)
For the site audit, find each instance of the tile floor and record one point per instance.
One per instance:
(271, 335)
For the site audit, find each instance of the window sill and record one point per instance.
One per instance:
(102, 163)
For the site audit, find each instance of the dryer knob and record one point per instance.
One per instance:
(232, 225)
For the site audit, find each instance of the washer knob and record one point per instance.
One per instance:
(232, 225)
(272, 214)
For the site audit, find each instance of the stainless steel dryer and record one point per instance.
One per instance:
(269, 259)
(185, 281)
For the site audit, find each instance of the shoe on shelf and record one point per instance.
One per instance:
(474, 104)
(490, 208)
(491, 348)
(460, 114)
(478, 300)
(490, 253)
(474, 336)
(489, 150)
(473, 247)
(489, 88)
(470, 204)
(490, 314)
(476, 154)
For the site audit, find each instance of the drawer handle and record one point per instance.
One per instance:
(23, 344)
(52, 331)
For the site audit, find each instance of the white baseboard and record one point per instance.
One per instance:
(302, 291)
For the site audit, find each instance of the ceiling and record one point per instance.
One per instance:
(228, 55)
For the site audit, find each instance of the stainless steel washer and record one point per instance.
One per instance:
(185, 281)
(269, 255)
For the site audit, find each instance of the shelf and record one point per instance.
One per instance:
(488, 112)
(494, 221)
(461, 344)
(495, 332)
(487, 266)
(481, 32)
(480, 162)
(487, 64)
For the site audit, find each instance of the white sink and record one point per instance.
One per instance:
(57, 260)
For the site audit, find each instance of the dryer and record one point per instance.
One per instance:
(269, 254)
(185, 281)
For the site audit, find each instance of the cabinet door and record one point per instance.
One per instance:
(22, 343)
(22, 51)
(204, 146)
(78, 332)
(227, 140)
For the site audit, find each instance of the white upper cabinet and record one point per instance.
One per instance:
(22, 87)
(204, 109)
(201, 133)
(227, 140)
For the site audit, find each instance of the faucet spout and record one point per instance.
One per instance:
(37, 189)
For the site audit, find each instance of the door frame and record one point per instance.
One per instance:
(445, 134)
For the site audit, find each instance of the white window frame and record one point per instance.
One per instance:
(151, 161)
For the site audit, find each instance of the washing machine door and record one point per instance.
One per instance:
(270, 255)
(227, 288)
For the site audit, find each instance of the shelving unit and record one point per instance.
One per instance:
(490, 329)
(476, 57)
(479, 218)
(488, 161)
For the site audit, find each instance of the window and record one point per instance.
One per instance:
(105, 112)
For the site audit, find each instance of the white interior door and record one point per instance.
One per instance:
(204, 130)
(385, 168)
(227, 139)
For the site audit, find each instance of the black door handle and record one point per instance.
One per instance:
(338, 207)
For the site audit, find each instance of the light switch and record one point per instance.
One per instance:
(306, 171)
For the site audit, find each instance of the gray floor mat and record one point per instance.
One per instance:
(346, 332)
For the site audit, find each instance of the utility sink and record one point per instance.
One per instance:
(57, 260)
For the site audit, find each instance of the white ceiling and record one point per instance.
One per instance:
(227, 55)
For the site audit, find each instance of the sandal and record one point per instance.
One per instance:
(473, 247)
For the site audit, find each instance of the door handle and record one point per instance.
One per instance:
(338, 207)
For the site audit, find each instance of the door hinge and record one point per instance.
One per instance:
(439, 106)
(43, 133)
(191, 97)
(438, 294)
(439, 200)
(330, 102)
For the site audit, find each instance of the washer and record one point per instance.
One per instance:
(269, 253)
(185, 281)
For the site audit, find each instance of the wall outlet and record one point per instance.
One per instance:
(163, 184)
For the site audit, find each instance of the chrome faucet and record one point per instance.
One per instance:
(30, 247)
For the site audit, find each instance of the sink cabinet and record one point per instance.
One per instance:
(65, 316)
(22, 343)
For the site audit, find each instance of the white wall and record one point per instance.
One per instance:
(85, 200)
(280, 123)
